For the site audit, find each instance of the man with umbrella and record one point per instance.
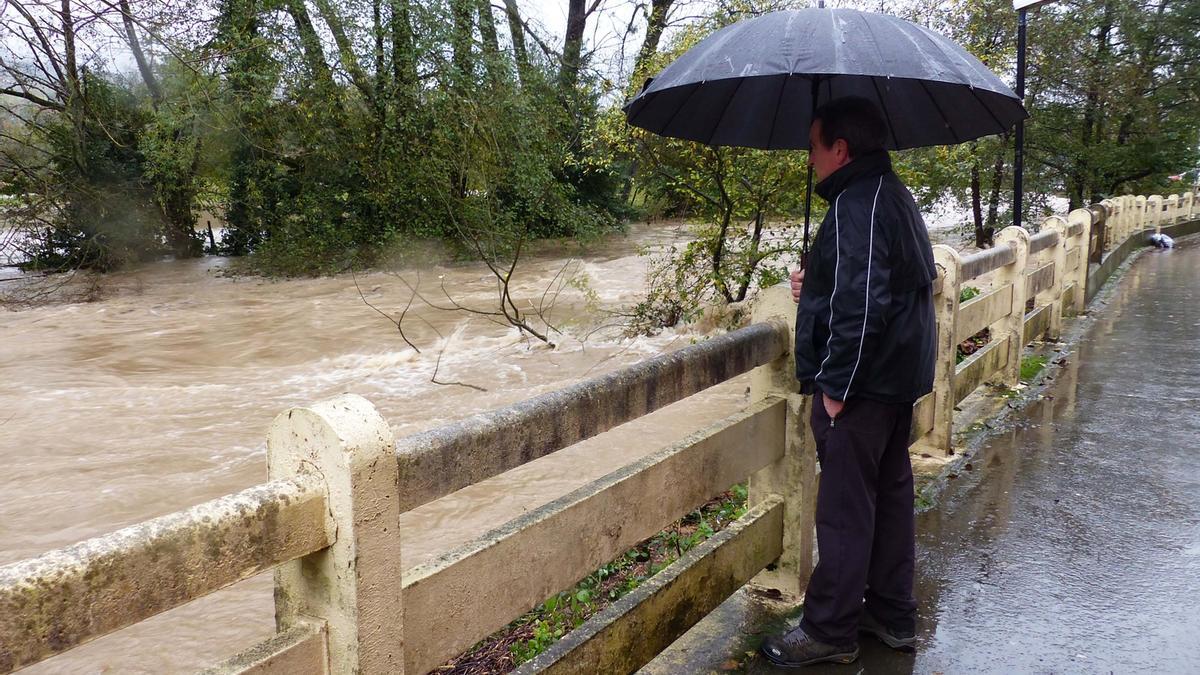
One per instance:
(865, 348)
(845, 85)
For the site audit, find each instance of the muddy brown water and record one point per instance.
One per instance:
(158, 398)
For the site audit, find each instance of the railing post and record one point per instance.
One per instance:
(1107, 228)
(1154, 205)
(945, 307)
(1142, 213)
(1173, 209)
(1056, 254)
(794, 476)
(1190, 204)
(354, 585)
(1119, 225)
(1013, 325)
(1084, 242)
(1131, 219)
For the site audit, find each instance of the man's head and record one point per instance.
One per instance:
(843, 129)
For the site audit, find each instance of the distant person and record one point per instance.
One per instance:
(865, 349)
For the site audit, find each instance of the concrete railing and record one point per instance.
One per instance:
(327, 522)
(1027, 283)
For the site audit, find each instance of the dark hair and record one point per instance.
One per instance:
(855, 120)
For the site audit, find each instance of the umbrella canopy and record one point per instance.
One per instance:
(757, 82)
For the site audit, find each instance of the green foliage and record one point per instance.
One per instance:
(101, 210)
(1031, 366)
(967, 293)
(565, 611)
(329, 135)
(738, 200)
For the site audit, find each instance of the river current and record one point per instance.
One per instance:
(158, 395)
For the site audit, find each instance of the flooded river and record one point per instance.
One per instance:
(158, 397)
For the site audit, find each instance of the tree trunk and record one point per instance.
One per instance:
(176, 194)
(156, 95)
(404, 60)
(74, 103)
(655, 24)
(463, 66)
(310, 42)
(491, 44)
(987, 240)
(345, 49)
(981, 236)
(568, 74)
(381, 71)
(517, 30)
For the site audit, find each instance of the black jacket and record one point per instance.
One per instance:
(865, 324)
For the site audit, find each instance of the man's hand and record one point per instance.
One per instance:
(833, 407)
(797, 282)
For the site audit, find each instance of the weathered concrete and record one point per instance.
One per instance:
(533, 557)
(922, 422)
(633, 630)
(794, 475)
(1051, 294)
(1013, 325)
(1043, 240)
(1037, 323)
(438, 462)
(982, 311)
(979, 264)
(978, 367)
(299, 650)
(66, 597)
(1039, 280)
(1061, 550)
(946, 310)
(353, 585)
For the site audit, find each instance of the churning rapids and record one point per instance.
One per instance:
(158, 397)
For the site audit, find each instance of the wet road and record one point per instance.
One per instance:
(1076, 547)
(1073, 544)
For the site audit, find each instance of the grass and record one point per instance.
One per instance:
(1031, 366)
(534, 632)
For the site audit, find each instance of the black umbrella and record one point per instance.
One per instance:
(757, 83)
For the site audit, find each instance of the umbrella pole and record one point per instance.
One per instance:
(816, 83)
(807, 210)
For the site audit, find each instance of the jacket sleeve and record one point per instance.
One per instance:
(860, 299)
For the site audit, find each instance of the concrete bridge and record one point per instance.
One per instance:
(1093, 484)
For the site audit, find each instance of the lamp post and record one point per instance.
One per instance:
(1022, 6)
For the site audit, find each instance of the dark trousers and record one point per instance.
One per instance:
(865, 524)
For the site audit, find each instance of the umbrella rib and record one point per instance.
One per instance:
(662, 131)
(725, 110)
(775, 117)
(938, 107)
(991, 114)
(886, 114)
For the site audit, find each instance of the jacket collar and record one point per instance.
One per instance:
(869, 165)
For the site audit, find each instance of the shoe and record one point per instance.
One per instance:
(902, 641)
(797, 648)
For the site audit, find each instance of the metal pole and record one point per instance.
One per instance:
(1019, 156)
(816, 86)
